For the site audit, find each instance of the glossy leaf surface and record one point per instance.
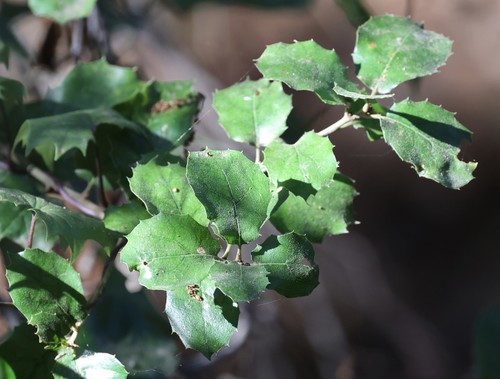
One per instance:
(391, 50)
(309, 160)
(429, 138)
(306, 66)
(47, 291)
(290, 261)
(254, 112)
(234, 191)
(326, 212)
(72, 227)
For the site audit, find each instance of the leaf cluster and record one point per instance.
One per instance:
(105, 156)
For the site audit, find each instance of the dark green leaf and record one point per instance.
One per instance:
(326, 212)
(254, 112)
(88, 365)
(354, 10)
(25, 355)
(429, 138)
(97, 84)
(53, 136)
(202, 316)
(234, 191)
(124, 218)
(238, 281)
(309, 160)
(371, 126)
(128, 325)
(290, 261)
(163, 187)
(306, 66)
(170, 251)
(11, 93)
(47, 291)
(74, 228)
(391, 50)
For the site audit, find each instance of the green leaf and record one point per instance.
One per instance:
(285, 258)
(87, 366)
(62, 11)
(170, 111)
(163, 187)
(254, 112)
(202, 316)
(371, 126)
(234, 191)
(391, 50)
(354, 10)
(11, 93)
(74, 228)
(6, 371)
(238, 281)
(326, 212)
(26, 356)
(53, 136)
(170, 251)
(487, 349)
(47, 291)
(429, 138)
(124, 218)
(306, 66)
(309, 160)
(97, 84)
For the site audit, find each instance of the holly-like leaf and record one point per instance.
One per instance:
(88, 365)
(234, 191)
(371, 126)
(202, 316)
(124, 218)
(306, 66)
(62, 11)
(163, 187)
(168, 110)
(47, 291)
(326, 212)
(74, 228)
(170, 251)
(254, 112)
(97, 85)
(239, 281)
(53, 136)
(391, 50)
(25, 355)
(429, 138)
(290, 261)
(309, 160)
(11, 93)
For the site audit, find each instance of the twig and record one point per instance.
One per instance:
(98, 168)
(226, 253)
(7, 304)
(32, 229)
(345, 121)
(105, 273)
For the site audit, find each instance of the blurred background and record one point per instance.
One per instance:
(400, 296)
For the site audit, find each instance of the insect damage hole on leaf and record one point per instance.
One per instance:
(194, 292)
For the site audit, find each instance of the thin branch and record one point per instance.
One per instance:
(106, 271)
(98, 168)
(7, 304)
(226, 253)
(238, 255)
(345, 121)
(32, 230)
(71, 197)
(257, 154)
